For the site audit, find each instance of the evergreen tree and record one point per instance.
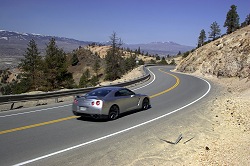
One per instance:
(84, 80)
(94, 81)
(139, 50)
(114, 59)
(163, 61)
(130, 63)
(87, 73)
(20, 87)
(74, 60)
(214, 30)
(172, 62)
(141, 62)
(6, 90)
(246, 22)
(185, 54)
(96, 66)
(55, 69)
(158, 57)
(232, 20)
(179, 53)
(31, 66)
(202, 38)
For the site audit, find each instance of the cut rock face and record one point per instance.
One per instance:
(228, 56)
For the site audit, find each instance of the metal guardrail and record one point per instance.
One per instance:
(26, 97)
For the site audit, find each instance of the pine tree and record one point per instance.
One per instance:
(84, 80)
(246, 22)
(232, 20)
(96, 67)
(94, 81)
(130, 63)
(141, 62)
(31, 66)
(202, 38)
(172, 62)
(163, 61)
(139, 50)
(74, 60)
(158, 57)
(55, 69)
(114, 59)
(214, 30)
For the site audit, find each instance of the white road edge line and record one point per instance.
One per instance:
(22, 113)
(149, 82)
(45, 109)
(116, 133)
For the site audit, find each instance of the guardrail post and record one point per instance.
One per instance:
(12, 106)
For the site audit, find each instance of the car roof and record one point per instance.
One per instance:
(111, 88)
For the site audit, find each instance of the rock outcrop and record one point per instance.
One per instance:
(228, 56)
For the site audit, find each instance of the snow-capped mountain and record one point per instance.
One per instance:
(14, 44)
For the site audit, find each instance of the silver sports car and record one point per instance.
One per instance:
(109, 102)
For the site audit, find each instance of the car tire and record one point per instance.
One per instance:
(145, 104)
(114, 112)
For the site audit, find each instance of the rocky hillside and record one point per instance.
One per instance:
(87, 57)
(228, 56)
(87, 60)
(102, 51)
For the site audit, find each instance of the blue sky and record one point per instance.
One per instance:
(134, 21)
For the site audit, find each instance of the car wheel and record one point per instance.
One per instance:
(145, 104)
(113, 112)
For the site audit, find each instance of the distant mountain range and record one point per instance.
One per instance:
(14, 44)
(160, 48)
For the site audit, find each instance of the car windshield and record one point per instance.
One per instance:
(99, 92)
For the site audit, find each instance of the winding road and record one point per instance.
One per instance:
(33, 135)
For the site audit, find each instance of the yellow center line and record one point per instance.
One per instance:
(169, 89)
(72, 117)
(36, 125)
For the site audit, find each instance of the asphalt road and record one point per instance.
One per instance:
(32, 135)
